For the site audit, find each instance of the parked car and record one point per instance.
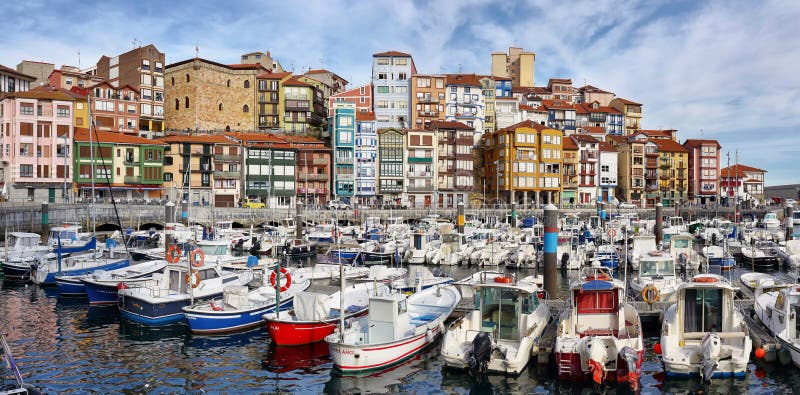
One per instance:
(253, 204)
(338, 205)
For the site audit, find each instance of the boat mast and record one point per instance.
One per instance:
(91, 158)
(341, 279)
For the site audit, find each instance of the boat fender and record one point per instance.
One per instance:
(650, 294)
(194, 274)
(285, 273)
(215, 307)
(193, 257)
(173, 254)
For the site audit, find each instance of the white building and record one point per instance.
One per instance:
(465, 102)
(366, 157)
(391, 73)
(608, 171)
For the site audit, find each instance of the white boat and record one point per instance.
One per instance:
(599, 337)
(22, 245)
(754, 280)
(674, 226)
(656, 279)
(419, 278)
(415, 254)
(448, 251)
(568, 257)
(703, 333)
(791, 253)
(777, 306)
(642, 244)
(499, 333)
(395, 329)
(329, 271)
(681, 249)
(771, 221)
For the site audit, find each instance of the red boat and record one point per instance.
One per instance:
(316, 315)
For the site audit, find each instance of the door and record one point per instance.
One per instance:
(51, 195)
(427, 200)
(223, 200)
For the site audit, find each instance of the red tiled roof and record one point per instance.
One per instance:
(82, 134)
(365, 116)
(463, 79)
(668, 145)
(592, 89)
(583, 138)
(246, 66)
(525, 107)
(496, 78)
(267, 75)
(256, 137)
(557, 104)
(196, 138)
(745, 168)
(450, 125)
(699, 142)
(295, 81)
(629, 102)
(617, 139)
(606, 147)
(593, 129)
(526, 124)
(569, 144)
(586, 108)
(41, 93)
(731, 173)
(300, 139)
(9, 70)
(656, 133)
(392, 53)
(319, 71)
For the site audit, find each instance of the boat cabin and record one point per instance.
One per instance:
(706, 305)
(67, 234)
(656, 264)
(20, 241)
(596, 302)
(213, 248)
(388, 318)
(174, 277)
(503, 307)
(288, 223)
(782, 317)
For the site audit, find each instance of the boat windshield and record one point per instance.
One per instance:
(702, 310)
(64, 235)
(450, 238)
(499, 311)
(653, 268)
(177, 282)
(215, 249)
(680, 243)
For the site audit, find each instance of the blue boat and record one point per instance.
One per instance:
(608, 257)
(101, 286)
(161, 300)
(239, 309)
(75, 264)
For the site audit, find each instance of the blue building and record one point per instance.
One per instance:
(366, 154)
(343, 130)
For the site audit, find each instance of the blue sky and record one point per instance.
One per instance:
(728, 68)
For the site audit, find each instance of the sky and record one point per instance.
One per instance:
(722, 70)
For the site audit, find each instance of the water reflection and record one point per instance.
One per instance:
(305, 358)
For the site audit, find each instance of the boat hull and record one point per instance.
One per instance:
(50, 279)
(216, 322)
(575, 371)
(289, 333)
(16, 273)
(349, 358)
(723, 263)
(164, 312)
(101, 294)
(70, 286)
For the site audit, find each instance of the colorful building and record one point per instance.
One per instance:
(608, 171)
(36, 131)
(465, 102)
(561, 89)
(420, 168)
(12, 81)
(304, 107)
(269, 172)
(590, 94)
(454, 163)
(391, 73)
(517, 65)
(631, 164)
(569, 175)
(588, 167)
(361, 97)
(632, 111)
(366, 157)
(673, 173)
(704, 169)
(561, 115)
(114, 109)
(427, 99)
(39, 70)
(343, 130)
(743, 183)
(68, 77)
(313, 169)
(592, 114)
(129, 167)
(391, 165)
(199, 163)
(270, 100)
(488, 84)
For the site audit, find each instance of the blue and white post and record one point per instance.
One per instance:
(550, 245)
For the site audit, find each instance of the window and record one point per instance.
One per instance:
(245, 108)
(188, 79)
(147, 79)
(383, 61)
(25, 109)
(178, 104)
(26, 170)
(382, 89)
(186, 100)
(401, 76)
(228, 83)
(246, 84)
(173, 81)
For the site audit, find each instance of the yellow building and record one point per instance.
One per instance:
(517, 65)
(523, 164)
(488, 87)
(632, 111)
(672, 172)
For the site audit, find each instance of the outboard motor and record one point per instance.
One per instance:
(631, 357)
(255, 248)
(478, 360)
(564, 260)
(710, 348)
(239, 244)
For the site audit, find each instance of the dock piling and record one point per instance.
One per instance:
(550, 245)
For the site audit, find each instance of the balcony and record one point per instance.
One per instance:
(346, 177)
(651, 187)
(651, 152)
(346, 160)
(652, 164)
(428, 113)
(427, 100)
(589, 157)
(313, 177)
(420, 188)
(419, 174)
(420, 159)
(298, 108)
(133, 179)
(465, 141)
(589, 172)
(320, 161)
(226, 158)
(664, 176)
(131, 162)
(226, 174)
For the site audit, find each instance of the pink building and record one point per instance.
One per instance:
(361, 97)
(704, 169)
(37, 131)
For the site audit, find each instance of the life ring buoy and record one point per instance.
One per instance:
(188, 278)
(285, 273)
(173, 254)
(503, 279)
(650, 294)
(336, 234)
(193, 257)
(704, 279)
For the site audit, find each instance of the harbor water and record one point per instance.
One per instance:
(62, 345)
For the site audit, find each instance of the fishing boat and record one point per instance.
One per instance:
(298, 249)
(87, 262)
(419, 278)
(607, 256)
(448, 251)
(771, 221)
(600, 336)
(498, 334)
(567, 256)
(657, 279)
(101, 286)
(415, 254)
(754, 280)
(759, 258)
(241, 308)
(777, 306)
(396, 328)
(315, 315)
(22, 245)
(161, 300)
(718, 256)
(703, 333)
(329, 271)
(642, 244)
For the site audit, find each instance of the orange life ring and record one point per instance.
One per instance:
(193, 257)
(188, 278)
(650, 294)
(285, 273)
(173, 254)
(335, 234)
(503, 279)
